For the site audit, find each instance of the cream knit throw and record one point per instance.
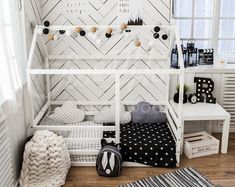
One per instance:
(46, 161)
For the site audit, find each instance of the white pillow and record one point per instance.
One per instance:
(108, 115)
(68, 113)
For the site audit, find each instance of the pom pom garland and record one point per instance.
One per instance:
(108, 34)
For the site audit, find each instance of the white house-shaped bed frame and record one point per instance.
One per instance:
(174, 119)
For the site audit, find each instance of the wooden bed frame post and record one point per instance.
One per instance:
(181, 90)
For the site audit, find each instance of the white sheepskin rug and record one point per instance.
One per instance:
(46, 161)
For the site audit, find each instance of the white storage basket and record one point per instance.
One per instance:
(200, 144)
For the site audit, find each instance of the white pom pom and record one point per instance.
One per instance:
(94, 36)
(56, 37)
(68, 33)
(119, 31)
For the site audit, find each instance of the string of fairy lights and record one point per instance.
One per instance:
(108, 34)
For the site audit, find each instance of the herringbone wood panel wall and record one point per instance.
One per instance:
(93, 88)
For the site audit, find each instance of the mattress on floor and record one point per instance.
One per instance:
(149, 144)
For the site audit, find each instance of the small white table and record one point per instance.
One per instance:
(207, 112)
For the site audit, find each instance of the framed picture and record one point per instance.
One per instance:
(206, 56)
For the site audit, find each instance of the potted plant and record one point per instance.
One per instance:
(176, 96)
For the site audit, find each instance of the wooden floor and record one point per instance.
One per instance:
(220, 169)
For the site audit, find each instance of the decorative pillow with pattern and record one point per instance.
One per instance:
(108, 115)
(68, 113)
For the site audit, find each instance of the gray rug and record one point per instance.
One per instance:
(187, 177)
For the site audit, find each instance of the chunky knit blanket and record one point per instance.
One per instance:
(46, 161)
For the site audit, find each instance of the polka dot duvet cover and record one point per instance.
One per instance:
(149, 144)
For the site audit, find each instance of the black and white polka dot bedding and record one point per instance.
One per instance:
(149, 144)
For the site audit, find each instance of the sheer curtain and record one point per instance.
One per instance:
(12, 55)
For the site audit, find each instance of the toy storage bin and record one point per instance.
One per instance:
(200, 144)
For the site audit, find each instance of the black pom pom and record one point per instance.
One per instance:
(45, 31)
(46, 23)
(82, 33)
(108, 35)
(164, 37)
(61, 31)
(157, 29)
(156, 35)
